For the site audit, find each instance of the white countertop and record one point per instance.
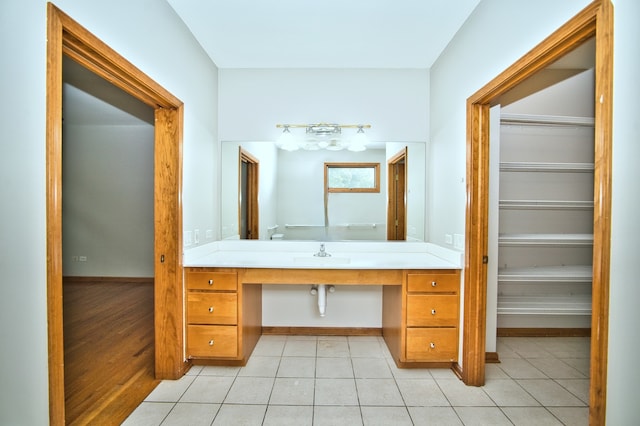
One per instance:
(344, 255)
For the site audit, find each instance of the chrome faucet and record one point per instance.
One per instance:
(322, 253)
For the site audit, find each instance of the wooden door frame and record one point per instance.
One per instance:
(393, 200)
(67, 37)
(596, 20)
(253, 179)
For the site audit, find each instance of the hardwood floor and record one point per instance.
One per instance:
(108, 348)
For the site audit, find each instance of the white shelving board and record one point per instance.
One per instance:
(545, 242)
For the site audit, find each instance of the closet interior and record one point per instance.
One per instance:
(545, 207)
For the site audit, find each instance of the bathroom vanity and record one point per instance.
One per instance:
(420, 297)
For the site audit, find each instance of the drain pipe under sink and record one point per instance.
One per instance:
(321, 291)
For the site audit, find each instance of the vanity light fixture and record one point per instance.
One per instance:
(323, 136)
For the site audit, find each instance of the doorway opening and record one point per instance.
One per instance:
(596, 20)
(397, 202)
(65, 37)
(248, 196)
(108, 234)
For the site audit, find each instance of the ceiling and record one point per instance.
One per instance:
(324, 34)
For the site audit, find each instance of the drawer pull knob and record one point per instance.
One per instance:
(431, 345)
(433, 312)
(433, 283)
(211, 309)
(211, 342)
(210, 282)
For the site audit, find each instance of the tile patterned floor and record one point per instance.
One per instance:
(327, 380)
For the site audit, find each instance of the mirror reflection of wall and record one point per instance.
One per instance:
(292, 194)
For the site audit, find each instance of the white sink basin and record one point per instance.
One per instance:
(317, 260)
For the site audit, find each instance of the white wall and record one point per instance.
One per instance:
(108, 201)
(624, 315)
(150, 35)
(394, 102)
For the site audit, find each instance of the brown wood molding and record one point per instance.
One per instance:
(322, 331)
(491, 358)
(594, 20)
(67, 37)
(544, 332)
(601, 213)
(108, 280)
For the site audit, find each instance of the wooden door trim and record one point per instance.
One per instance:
(67, 37)
(596, 20)
(401, 155)
(253, 180)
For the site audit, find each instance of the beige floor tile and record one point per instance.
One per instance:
(282, 415)
(383, 392)
(549, 393)
(434, 416)
(260, 366)
(300, 348)
(336, 368)
(556, 368)
(531, 416)
(208, 389)
(191, 414)
(250, 390)
(245, 415)
(507, 393)
(292, 391)
(336, 392)
(460, 395)
(571, 416)
(517, 368)
(333, 348)
(482, 416)
(371, 368)
(170, 390)
(386, 416)
(578, 387)
(336, 416)
(421, 392)
(297, 367)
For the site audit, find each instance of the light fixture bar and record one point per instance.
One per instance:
(343, 126)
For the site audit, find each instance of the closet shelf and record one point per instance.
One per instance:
(542, 274)
(545, 240)
(546, 120)
(513, 166)
(541, 305)
(545, 205)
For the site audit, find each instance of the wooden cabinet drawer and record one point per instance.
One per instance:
(432, 310)
(432, 344)
(219, 341)
(204, 280)
(212, 308)
(445, 283)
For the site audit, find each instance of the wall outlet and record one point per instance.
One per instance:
(74, 258)
(448, 238)
(188, 238)
(82, 258)
(196, 236)
(209, 234)
(458, 241)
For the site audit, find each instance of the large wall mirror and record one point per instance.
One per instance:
(294, 204)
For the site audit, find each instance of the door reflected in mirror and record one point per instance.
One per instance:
(293, 202)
